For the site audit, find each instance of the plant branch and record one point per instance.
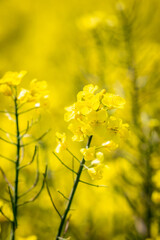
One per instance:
(72, 193)
(7, 158)
(50, 196)
(8, 141)
(6, 112)
(63, 195)
(72, 155)
(28, 110)
(6, 180)
(4, 131)
(93, 185)
(32, 160)
(37, 195)
(64, 163)
(26, 130)
(14, 199)
(37, 139)
(34, 184)
(31, 124)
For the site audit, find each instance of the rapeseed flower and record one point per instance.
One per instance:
(96, 173)
(61, 139)
(97, 167)
(112, 101)
(110, 146)
(6, 90)
(13, 78)
(89, 116)
(10, 80)
(88, 153)
(38, 92)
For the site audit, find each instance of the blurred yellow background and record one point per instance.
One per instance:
(115, 45)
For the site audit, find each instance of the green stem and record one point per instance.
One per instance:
(15, 197)
(77, 180)
(145, 154)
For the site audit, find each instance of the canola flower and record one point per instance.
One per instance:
(90, 114)
(97, 167)
(38, 95)
(90, 117)
(61, 139)
(38, 92)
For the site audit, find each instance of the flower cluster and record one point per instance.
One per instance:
(90, 115)
(10, 80)
(37, 94)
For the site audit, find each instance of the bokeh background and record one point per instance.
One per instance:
(115, 45)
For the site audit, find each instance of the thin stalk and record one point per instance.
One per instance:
(93, 185)
(28, 110)
(15, 197)
(145, 154)
(50, 196)
(77, 180)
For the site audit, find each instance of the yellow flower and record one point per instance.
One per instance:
(61, 139)
(76, 111)
(88, 153)
(82, 108)
(114, 124)
(96, 117)
(96, 172)
(80, 129)
(87, 92)
(38, 87)
(71, 113)
(88, 98)
(94, 102)
(6, 90)
(38, 91)
(110, 146)
(156, 197)
(13, 78)
(86, 102)
(76, 127)
(101, 94)
(99, 156)
(97, 121)
(24, 95)
(89, 116)
(90, 88)
(113, 101)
